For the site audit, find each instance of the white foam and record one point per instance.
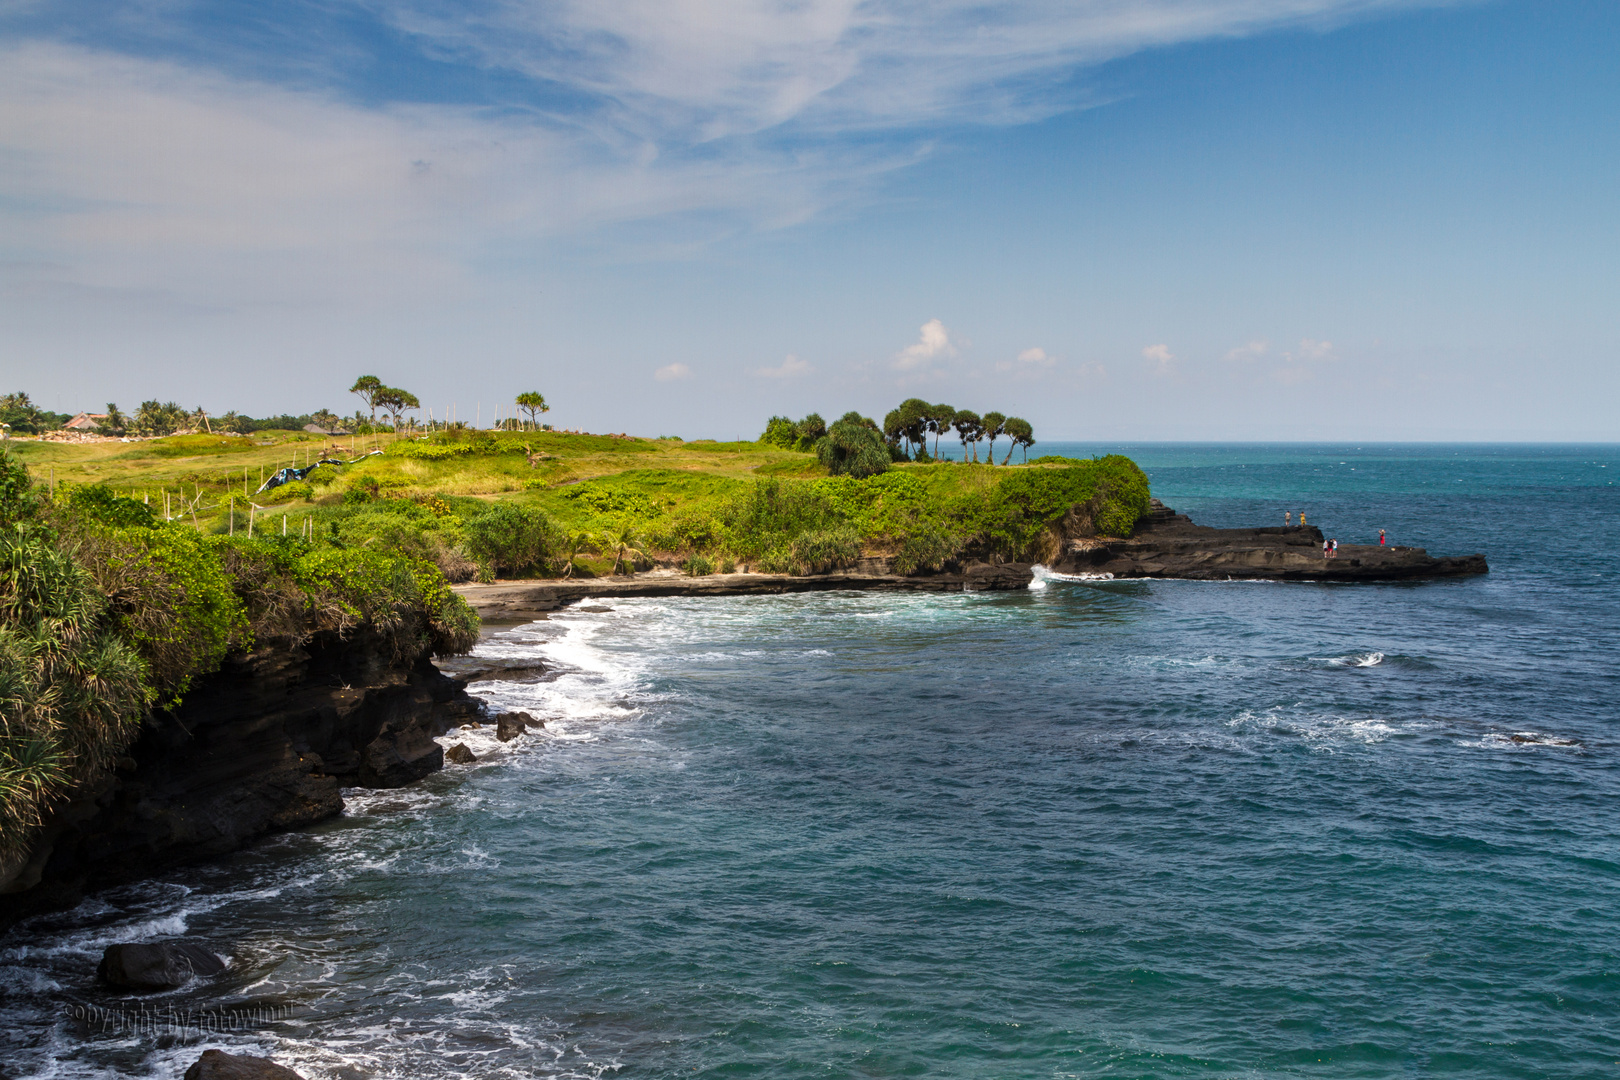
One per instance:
(1368, 659)
(1045, 574)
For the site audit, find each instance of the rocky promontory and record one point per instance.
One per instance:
(262, 745)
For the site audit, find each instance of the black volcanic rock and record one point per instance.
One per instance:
(218, 1065)
(460, 755)
(161, 965)
(260, 746)
(510, 725)
(1168, 545)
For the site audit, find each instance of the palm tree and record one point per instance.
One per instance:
(574, 543)
(623, 538)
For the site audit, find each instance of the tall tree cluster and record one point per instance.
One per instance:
(908, 427)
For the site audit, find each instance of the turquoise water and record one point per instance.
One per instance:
(1103, 829)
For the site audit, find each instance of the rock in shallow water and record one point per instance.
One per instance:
(510, 725)
(460, 755)
(163, 965)
(218, 1065)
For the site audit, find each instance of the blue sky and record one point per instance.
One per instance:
(1163, 219)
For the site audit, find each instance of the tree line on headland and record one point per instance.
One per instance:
(856, 446)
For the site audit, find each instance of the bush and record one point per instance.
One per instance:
(926, 550)
(513, 538)
(854, 447)
(98, 503)
(698, 566)
(821, 550)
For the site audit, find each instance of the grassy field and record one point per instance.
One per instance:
(589, 496)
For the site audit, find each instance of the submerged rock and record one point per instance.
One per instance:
(218, 1065)
(460, 755)
(510, 725)
(161, 965)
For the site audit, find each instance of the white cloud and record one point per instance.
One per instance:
(671, 372)
(1254, 350)
(704, 118)
(1031, 363)
(718, 68)
(1312, 350)
(790, 368)
(933, 340)
(1160, 357)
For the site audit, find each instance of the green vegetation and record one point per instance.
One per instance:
(106, 611)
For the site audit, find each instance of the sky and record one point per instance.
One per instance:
(1149, 220)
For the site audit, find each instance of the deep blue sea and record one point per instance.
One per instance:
(1094, 829)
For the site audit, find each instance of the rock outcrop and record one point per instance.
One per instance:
(260, 746)
(509, 725)
(161, 965)
(218, 1065)
(1166, 544)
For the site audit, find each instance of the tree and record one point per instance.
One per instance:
(1021, 434)
(939, 421)
(623, 538)
(810, 430)
(970, 429)
(395, 402)
(158, 418)
(994, 424)
(116, 421)
(534, 403)
(782, 432)
(368, 387)
(325, 418)
(908, 424)
(853, 446)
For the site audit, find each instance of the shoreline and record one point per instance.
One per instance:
(1165, 545)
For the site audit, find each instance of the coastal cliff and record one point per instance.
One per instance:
(262, 745)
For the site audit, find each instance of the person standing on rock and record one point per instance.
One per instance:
(1288, 518)
(1302, 519)
(1327, 546)
(1380, 537)
(1335, 544)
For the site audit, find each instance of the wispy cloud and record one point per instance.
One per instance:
(1030, 363)
(672, 372)
(933, 341)
(1252, 351)
(1160, 359)
(790, 368)
(222, 177)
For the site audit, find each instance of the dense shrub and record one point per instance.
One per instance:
(821, 550)
(925, 550)
(513, 538)
(698, 566)
(854, 446)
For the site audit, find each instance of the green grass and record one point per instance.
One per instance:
(675, 498)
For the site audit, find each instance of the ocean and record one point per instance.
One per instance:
(1090, 829)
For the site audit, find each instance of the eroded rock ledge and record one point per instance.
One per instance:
(1164, 545)
(262, 745)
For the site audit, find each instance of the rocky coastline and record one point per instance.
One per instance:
(263, 745)
(1164, 544)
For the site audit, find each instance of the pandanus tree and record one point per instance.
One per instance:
(395, 402)
(939, 421)
(367, 387)
(994, 424)
(534, 403)
(1020, 433)
(853, 446)
(970, 429)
